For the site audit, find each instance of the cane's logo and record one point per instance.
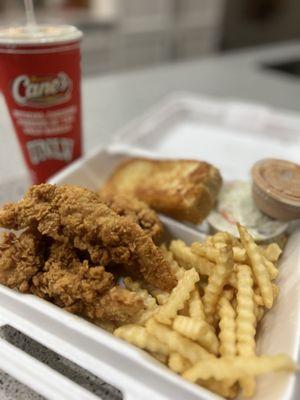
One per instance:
(36, 91)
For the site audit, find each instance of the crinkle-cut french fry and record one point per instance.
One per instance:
(232, 280)
(272, 270)
(177, 270)
(185, 309)
(227, 337)
(179, 295)
(176, 342)
(272, 252)
(216, 281)
(219, 245)
(149, 300)
(135, 286)
(196, 308)
(245, 319)
(259, 312)
(143, 316)
(207, 251)
(160, 295)
(140, 337)
(187, 259)
(197, 330)
(208, 241)
(227, 389)
(178, 364)
(246, 322)
(214, 325)
(248, 385)
(258, 298)
(239, 254)
(227, 326)
(163, 358)
(162, 298)
(257, 263)
(234, 303)
(223, 237)
(228, 293)
(237, 368)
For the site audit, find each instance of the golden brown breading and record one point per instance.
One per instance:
(65, 279)
(117, 305)
(81, 289)
(184, 189)
(137, 211)
(73, 215)
(20, 258)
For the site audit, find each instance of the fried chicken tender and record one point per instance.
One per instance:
(117, 305)
(66, 279)
(82, 289)
(73, 215)
(20, 258)
(137, 211)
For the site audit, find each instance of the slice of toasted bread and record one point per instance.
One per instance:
(184, 189)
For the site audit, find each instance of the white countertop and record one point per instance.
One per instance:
(111, 101)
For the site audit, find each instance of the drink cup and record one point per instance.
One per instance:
(40, 78)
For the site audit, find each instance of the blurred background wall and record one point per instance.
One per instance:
(126, 34)
(254, 22)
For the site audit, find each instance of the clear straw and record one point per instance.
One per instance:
(30, 16)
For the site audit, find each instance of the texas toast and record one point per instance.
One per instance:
(184, 189)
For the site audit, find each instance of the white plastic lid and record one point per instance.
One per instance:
(38, 34)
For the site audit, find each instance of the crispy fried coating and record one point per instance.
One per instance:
(83, 289)
(137, 211)
(20, 258)
(117, 305)
(66, 279)
(73, 215)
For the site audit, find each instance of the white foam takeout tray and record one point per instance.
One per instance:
(232, 136)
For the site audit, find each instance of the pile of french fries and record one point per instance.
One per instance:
(205, 328)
